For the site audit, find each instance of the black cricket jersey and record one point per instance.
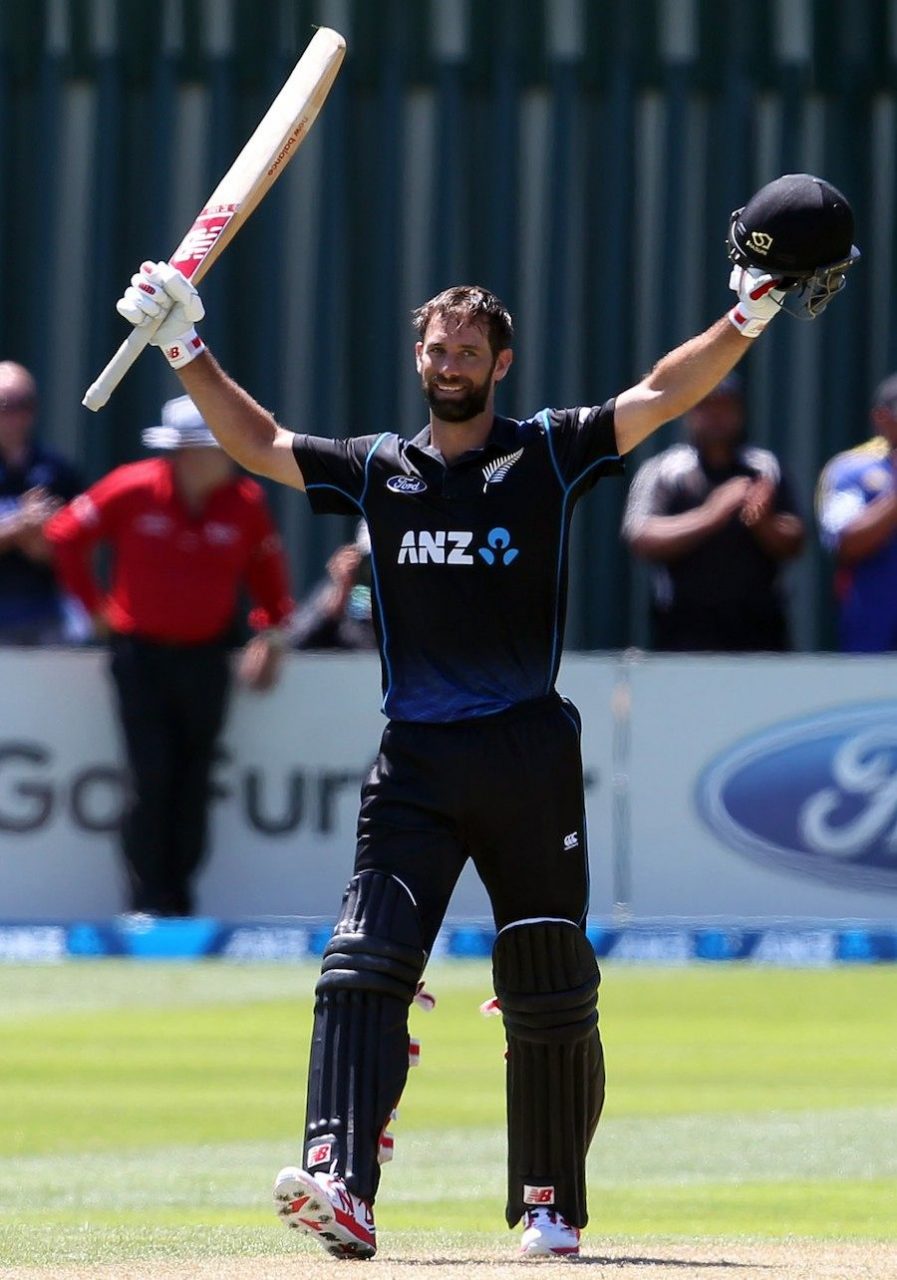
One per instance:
(469, 561)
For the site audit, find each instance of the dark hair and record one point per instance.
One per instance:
(469, 304)
(885, 395)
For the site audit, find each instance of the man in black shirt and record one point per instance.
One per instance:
(480, 758)
(717, 519)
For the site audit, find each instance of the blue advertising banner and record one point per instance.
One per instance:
(289, 940)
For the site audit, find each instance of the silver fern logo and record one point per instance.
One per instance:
(494, 472)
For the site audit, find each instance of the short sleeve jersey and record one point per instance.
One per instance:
(867, 589)
(469, 561)
(729, 569)
(175, 574)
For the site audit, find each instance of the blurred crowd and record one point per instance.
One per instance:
(51, 524)
(715, 518)
(174, 564)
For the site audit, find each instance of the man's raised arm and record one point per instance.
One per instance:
(690, 372)
(792, 242)
(244, 429)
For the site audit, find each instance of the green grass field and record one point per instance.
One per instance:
(146, 1109)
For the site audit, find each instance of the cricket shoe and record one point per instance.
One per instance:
(321, 1206)
(547, 1234)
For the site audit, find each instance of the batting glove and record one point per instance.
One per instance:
(160, 292)
(758, 300)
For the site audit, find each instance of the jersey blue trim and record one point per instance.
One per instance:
(567, 489)
(336, 489)
(375, 578)
(608, 457)
(384, 635)
(544, 418)
(546, 426)
(384, 435)
(554, 662)
(555, 639)
(359, 501)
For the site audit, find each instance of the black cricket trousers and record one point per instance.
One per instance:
(172, 700)
(504, 790)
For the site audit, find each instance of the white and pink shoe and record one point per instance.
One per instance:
(548, 1234)
(321, 1206)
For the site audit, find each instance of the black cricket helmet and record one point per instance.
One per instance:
(799, 228)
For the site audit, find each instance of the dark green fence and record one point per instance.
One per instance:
(581, 157)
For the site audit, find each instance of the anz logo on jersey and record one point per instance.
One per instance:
(454, 547)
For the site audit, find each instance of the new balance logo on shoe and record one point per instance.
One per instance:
(546, 1234)
(321, 1206)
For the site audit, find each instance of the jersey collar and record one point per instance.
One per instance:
(503, 436)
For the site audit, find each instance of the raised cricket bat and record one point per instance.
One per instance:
(275, 141)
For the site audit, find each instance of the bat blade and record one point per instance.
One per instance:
(276, 139)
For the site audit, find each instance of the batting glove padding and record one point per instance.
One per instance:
(758, 300)
(161, 295)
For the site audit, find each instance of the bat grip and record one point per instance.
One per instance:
(99, 391)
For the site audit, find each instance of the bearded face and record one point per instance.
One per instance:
(456, 398)
(457, 368)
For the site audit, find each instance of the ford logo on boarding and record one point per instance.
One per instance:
(816, 795)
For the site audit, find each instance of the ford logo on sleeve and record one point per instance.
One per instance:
(817, 796)
(406, 484)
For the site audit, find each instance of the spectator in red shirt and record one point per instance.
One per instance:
(186, 534)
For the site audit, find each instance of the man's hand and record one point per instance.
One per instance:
(758, 501)
(23, 528)
(758, 300)
(158, 292)
(259, 663)
(726, 499)
(36, 507)
(342, 569)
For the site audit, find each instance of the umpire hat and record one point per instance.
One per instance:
(182, 427)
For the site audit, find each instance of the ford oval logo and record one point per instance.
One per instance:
(816, 795)
(406, 484)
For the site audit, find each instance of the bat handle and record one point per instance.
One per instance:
(99, 392)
